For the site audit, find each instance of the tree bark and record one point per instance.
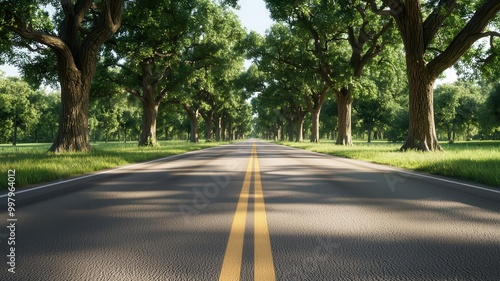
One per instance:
(194, 129)
(422, 132)
(290, 129)
(299, 121)
(282, 131)
(209, 123)
(344, 105)
(73, 132)
(193, 119)
(315, 100)
(231, 131)
(218, 128)
(223, 130)
(275, 132)
(149, 116)
(315, 124)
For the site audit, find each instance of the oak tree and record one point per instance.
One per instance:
(75, 35)
(435, 34)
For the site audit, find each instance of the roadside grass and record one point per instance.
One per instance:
(34, 165)
(477, 161)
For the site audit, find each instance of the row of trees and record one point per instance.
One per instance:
(357, 51)
(165, 52)
(464, 111)
(32, 116)
(190, 53)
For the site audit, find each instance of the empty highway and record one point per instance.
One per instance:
(254, 211)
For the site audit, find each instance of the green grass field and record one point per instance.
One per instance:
(33, 164)
(472, 161)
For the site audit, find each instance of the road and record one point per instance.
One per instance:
(255, 211)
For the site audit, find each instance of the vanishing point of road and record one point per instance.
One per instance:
(255, 211)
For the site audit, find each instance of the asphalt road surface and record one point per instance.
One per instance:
(254, 211)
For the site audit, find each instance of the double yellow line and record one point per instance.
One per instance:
(263, 258)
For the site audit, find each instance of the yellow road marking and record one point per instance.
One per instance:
(231, 266)
(263, 257)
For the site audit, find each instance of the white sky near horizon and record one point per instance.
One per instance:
(254, 16)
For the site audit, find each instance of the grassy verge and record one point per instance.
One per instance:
(33, 164)
(473, 161)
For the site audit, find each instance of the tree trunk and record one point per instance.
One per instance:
(315, 124)
(299, 137)
(369, 135)
(73, 132)
(231, 132)
(290, 129)
(194, 129)
(344, 105)
(223, 130)
(421, 76)
(282, 131)
(149, 116)
(14, 137)
(193, 119)
(217, 128)
(209, 123)
(77, 55)
(422, 132)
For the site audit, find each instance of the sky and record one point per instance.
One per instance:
(254, 16)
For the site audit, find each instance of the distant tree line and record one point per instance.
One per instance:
(29, 116)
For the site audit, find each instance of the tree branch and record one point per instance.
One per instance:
(376, 48)
(435, 20)
(80, 9)
(382, 11)
(51, 41)
(161, 95)
(68, 8)
(108, 24)
(472, 32)
(133, 92)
